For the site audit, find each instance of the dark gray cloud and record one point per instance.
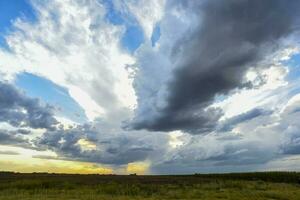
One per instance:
(21, 111)
(262, 138)
(9, 153)
(209, 154)
(115, 149)
(293, 147)
(230, 37)
(23, 131)
(9, 138)
(244, 154)
(46, 157)
(291, 144)
(230, 123)
(24, 113)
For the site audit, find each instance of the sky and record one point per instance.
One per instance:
(149, 86)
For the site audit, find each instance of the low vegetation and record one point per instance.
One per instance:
(254, 186)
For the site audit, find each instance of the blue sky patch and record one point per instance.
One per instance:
(133, 38)
(53, 94)
(294, 67)
(112, 15)
(10, 10)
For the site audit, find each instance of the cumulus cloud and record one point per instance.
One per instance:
(72, 44)
(291, 127)
(9, 153)
(21, 111)
(147, 13)
(257, 139)
(227, 39)
(8, 138)
(216, 69)
(108, 148)
(230, 123)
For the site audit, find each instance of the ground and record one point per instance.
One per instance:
(252, 186)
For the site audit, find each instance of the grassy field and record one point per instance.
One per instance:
(254, 186)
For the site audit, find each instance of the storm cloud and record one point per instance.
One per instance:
(228, 38)
(10, 138)
(106, 148)
(21, 111)
(217, 91)
(229, 124)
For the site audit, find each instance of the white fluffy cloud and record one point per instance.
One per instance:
(148, 13)
(74, 46)
(154, 64)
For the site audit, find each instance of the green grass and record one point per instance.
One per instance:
(255, 186)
